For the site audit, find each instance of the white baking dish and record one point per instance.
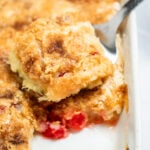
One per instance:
(131, 74)
(127, 132)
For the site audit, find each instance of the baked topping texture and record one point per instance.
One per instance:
(58, 60)
(102, 103)
(20, 13)
(16, 118)
(54, 75)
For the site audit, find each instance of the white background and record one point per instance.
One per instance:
(143, 26)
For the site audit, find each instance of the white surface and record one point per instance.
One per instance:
(131, 74)
(143, 26)
(87, 139)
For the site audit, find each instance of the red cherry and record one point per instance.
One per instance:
(2, 109)
(94, 53)
(77, 122)
(55, 131)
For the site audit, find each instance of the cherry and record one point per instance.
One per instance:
(77, 122)
(55, 131)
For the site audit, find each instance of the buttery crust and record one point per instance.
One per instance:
(19, 13)
(16, 118)
(59, 59)
(94, 11)
(104, 102)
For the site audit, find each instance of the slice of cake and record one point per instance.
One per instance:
(57, 60)
(102, 105)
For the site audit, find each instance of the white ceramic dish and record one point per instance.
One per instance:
(131, 74)
(127, 132)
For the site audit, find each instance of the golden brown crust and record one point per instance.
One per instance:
(16, 118)
(6, 42)
(16, 124)
(95, 11)
(19, 13)
(60, 59)
(106, 101)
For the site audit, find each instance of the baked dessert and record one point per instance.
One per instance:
(67, 82)
(94, 11)
(103, 104)
(19, 13)
(16, 118)
(57, 60)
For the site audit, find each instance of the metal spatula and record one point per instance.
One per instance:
(107, 31)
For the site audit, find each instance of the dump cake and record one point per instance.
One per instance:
(58, 60)
(19, 13)
(67, 83)
(16, 118)
(102, 105)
